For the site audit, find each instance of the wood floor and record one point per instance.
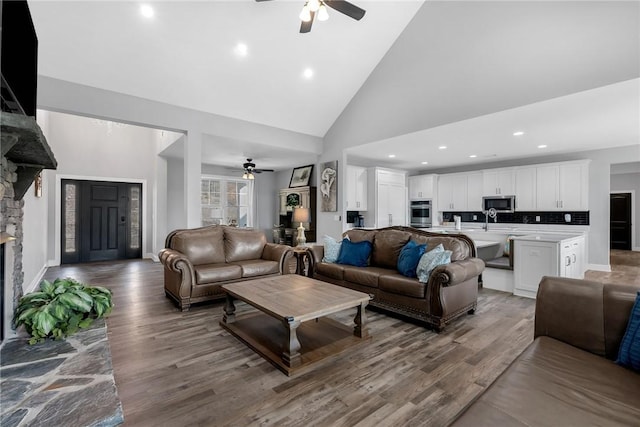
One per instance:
(178, 369)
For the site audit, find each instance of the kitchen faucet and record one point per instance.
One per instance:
(489, 213)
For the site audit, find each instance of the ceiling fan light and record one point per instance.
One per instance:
(323, 15)
(252, 176)
(314, 5)
(305, 15)
(245, 176)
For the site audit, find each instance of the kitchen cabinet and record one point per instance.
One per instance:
(391, 205)
(421, 187)
(452, 192)
(356, 188)
(474, 191)
(498, 182)
(525, 188)
(562, 187)
(540, 255)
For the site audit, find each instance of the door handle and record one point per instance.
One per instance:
(123, 219)
(574, 258)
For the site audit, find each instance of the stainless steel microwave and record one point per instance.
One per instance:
(506, 204)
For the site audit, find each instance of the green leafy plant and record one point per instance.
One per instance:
(60, 308)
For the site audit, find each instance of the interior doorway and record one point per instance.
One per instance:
(620, 221)
(101, 221)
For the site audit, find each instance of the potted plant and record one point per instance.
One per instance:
(60, 308)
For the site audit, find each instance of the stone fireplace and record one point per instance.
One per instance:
(24, 153)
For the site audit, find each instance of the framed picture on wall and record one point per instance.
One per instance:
(300, 176)
(329, 186)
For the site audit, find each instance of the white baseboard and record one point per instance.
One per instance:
(152, 257)
(52, 263)
(599, 267)
(636, 248)
(36, 280)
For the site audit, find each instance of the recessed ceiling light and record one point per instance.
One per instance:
(425, 163)
(542, 146)
(391, 156)
(146, 10)
(473, 156)
(241, 49)
(308, 73)
(442, 147)
(518, 133)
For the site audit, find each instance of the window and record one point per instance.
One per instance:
(134, 214)
(70, 217)
(226, 201)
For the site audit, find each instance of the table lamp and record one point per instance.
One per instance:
(301, 215)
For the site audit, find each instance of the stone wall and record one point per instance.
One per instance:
(11, 213)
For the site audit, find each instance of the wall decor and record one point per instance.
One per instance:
(329, 186)
(300, 176)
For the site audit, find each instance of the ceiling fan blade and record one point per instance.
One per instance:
(263, 170)
(305, 27)
(345, 7)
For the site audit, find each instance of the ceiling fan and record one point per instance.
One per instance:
(313, 8)
(250, 169)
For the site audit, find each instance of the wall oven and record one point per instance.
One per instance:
(421, 212)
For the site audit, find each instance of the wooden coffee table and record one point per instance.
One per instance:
(280, 331)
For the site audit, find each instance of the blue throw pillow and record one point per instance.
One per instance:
(409, 257)
(354, 253)
(331, 249)
(430, 260)
(629, 352)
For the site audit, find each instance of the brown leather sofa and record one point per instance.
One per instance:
(567, 375)
(198, 261)
(452, 289)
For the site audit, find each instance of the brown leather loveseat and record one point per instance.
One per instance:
(198, 261)
(567, 375)
(452, 289)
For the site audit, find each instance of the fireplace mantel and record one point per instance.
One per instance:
(24, 144)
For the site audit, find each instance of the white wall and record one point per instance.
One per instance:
(35, 225)
(625, 182)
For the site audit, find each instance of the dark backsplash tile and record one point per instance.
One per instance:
(577, 218)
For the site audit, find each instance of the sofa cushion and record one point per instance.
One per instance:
(242, 244)
(258, 267)
(552, 383)
(200, 245)
(387, 246)
(334, 271)
(357, 235)
(409, 257)
(396, 283)
(364, 276)
(430, 260)
(210, 273)
(629, 353)
(459, 249)
(356, 254)
(331, 249)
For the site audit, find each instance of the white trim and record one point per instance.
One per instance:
(58, 209)
(36, 280)
(633, 214)
(152, 257)
(636, 248)
(599, 267)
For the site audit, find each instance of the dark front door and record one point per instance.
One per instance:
(101, 221)
(620, 217)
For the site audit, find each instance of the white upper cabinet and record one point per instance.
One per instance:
(475, 188)
(526, 189)
(498, 182)
(391, 198)
(421, 187)
(562, 187)
(452, 192)
(356, 188)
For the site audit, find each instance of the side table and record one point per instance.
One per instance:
(303, 260)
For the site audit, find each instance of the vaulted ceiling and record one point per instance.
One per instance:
(410, 76)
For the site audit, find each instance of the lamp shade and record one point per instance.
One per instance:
(301, 215)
